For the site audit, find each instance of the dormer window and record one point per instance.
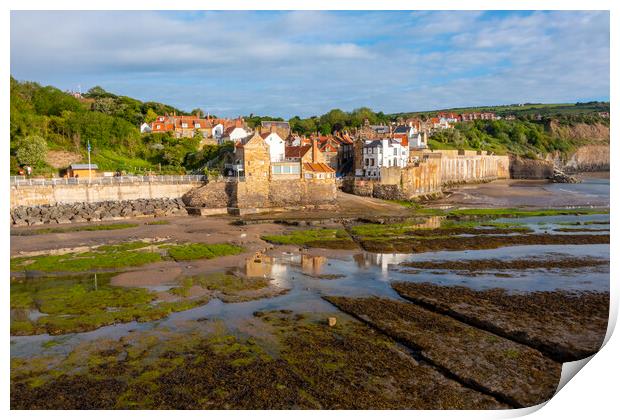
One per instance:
(197, 125)
(184, 125)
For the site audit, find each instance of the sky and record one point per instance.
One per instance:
(307, 62)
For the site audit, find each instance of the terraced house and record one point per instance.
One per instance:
(182, 125)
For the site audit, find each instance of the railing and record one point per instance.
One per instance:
(108, 180)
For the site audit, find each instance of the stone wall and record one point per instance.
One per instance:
(34, 195)
(471, 166)
(219, 193)
(523, 168)
(429, 173)
(263, 194)
(94, 212)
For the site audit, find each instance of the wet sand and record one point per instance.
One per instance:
(528, 193)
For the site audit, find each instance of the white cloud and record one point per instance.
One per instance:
(308, 62)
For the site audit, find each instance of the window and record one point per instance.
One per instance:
(277, 169)
(295, 169)
(197, 125)
(286, 169)
(184, 125)
(158, 126)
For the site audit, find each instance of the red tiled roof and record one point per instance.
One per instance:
(326, 146)
(296, 151)
(317, 167)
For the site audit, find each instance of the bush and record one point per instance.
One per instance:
(31, 150)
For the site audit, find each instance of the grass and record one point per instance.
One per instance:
(90, 228)
(224, 282)
(319, 238)
(109, 160)
(195, 251)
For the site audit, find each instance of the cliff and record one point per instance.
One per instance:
(591, 133)
(589, 158)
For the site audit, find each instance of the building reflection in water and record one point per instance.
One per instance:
(367, 260)
(312, 265)
(261, 265)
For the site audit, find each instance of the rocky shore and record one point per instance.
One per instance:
(94, 212)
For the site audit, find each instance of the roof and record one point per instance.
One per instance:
(374, 143)
(328, 147)
(265, 135)
(230, 129)
(296, 151)
(317, 167)
(280, 124)
(83, 166)
(401, 129)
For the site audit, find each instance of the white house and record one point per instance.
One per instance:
(217, 131)
(145, 128)
(418, 141)
(276, 146)
(234, 134)
(377, 154)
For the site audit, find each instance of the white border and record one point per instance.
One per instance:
(592, 394)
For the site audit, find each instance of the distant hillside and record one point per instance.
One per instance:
(65, 124)
(50, 129)
(521, 110)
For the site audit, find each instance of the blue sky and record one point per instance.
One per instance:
(306, 63)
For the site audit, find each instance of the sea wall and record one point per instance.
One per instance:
(462, 166)
(35, 195)
(428, 172)
(94, 212)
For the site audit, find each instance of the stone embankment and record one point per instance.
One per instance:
(93, 212)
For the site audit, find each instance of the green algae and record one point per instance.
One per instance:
(88, 228)
(83, 303)
(223, 282)
(317, 238)
(194, 251)
(320, 367)
(106, 259)
(515, 212)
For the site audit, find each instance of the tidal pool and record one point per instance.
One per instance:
(309, 277)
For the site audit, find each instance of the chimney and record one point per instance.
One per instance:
(315, 150)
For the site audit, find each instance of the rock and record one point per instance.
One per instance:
(108, 210)
(331, 321)
(562, 178)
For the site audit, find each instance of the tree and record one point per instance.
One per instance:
(150, 116)
(198, 112)
(31, 150)
(98, 92)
